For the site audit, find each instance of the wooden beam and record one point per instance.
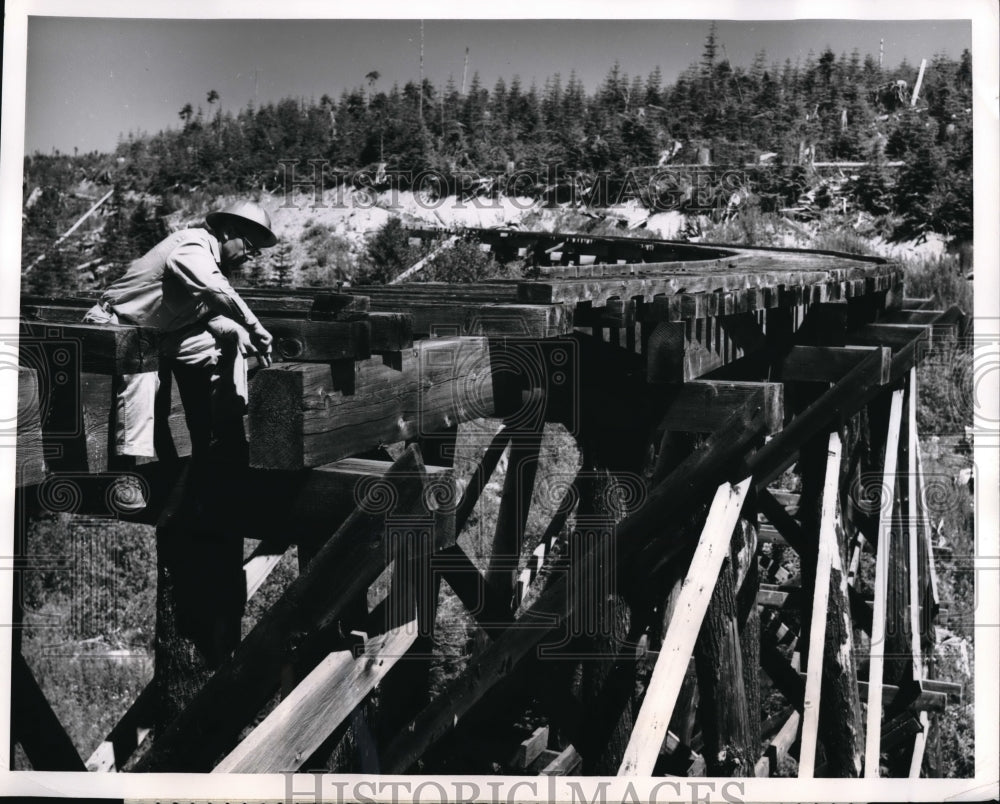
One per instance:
(102, 348)
(909, 344)
(671, 665)
(340, 572)
(308, 414)
(821, 596)
(823, 363)
(512, 516)
(297, 726)
(934, 599)
(878, 639)
(854, 389)
(260, 565)
(701, 406)
(783, 741)
(300, 339)
(30, 450)
(518, 320)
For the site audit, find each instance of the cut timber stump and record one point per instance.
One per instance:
(30, 451)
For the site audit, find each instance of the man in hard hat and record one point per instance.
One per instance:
(180, 287)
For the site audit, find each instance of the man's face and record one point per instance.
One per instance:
(236, 251)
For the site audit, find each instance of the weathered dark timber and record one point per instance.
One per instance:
(703, 406)
(730, 744)
(308, 414)
(30, 449)
(103, 348)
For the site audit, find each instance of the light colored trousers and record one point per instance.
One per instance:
(214, 346)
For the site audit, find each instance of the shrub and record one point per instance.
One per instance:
(387, 253)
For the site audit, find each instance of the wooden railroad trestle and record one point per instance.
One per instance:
(690, 377)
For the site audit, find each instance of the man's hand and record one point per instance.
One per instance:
(256, 341)
(261, 340)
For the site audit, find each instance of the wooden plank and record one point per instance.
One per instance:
(530, 749)
(919, 746)
(307, 414)
(258, 567)
(565, 764)
(821, 596)
(913, 529)
(912, 303)
(671, 665)
(297, 726)
(874, 698)
(932, 569)
(782, 742)
(701, 406)
(339, 573)
(30, 449)
(823, 363)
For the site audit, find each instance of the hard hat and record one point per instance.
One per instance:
(248, 218)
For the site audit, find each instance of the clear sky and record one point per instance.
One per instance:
(91, 80)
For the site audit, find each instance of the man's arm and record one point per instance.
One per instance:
(193, 264)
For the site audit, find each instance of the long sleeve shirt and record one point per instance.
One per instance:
(176, 285)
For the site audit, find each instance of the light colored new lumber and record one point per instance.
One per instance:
(564, 764)
(876, 667)
(913, 524)
(531, 748)
(821, 599)
(668, 675)
(919, 746)
(782, 742)
(296, 728)
(257, 568)
(935, 599)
